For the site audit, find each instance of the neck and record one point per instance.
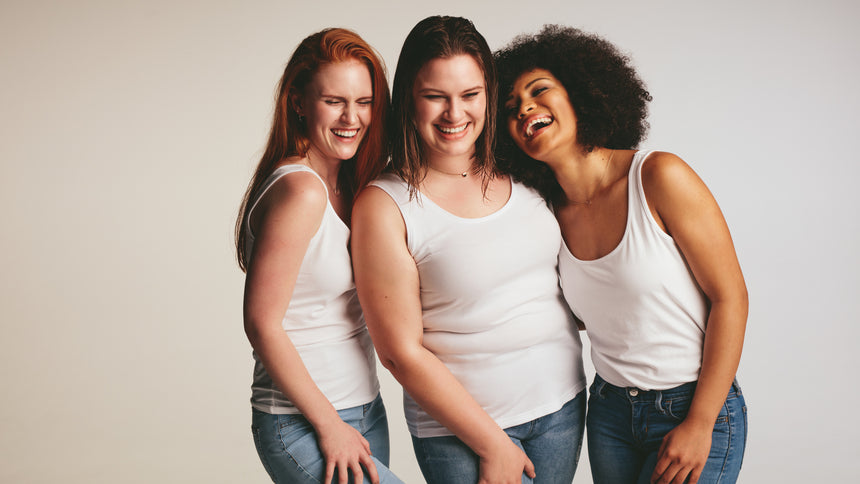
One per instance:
(582, 175)
(327, 168)
(460, 166)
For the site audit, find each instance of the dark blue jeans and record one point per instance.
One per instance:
(625, 427)
(552, 442)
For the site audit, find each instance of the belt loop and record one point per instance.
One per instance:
(601, 385)
(658, 400)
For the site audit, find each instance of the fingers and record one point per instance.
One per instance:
(370, 467)
(329, 471)
(694, 476)
(358, 476)
(667, 475)
(530, 468)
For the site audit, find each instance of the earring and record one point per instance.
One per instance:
(301, 118)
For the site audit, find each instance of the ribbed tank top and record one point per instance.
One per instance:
(492, 308)
(323, 320)
(644, 313)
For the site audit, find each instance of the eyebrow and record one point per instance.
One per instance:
(511, 95)
(342, 98)
(430, 89)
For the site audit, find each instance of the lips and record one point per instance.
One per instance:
(452, 129)
(534, 124)
(345, 133)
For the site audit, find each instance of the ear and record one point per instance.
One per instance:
(296, 101)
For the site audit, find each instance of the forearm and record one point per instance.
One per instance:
(286, 368)
(429, 382)
(724, 338)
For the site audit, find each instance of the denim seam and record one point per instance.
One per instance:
(288, 454)
(255, 431)
(729, 446)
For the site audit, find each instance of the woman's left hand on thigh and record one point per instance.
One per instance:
(683, 452)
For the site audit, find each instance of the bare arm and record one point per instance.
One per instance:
(388, 287)
(689, 213)
(284, 222)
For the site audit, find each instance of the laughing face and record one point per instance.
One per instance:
(337, 107)
(450, 105)
(540, 118)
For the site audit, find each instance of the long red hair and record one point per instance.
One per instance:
(288, 136)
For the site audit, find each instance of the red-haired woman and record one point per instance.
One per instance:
(316, 410)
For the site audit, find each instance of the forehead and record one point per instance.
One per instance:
(348, 75)
(457, 72)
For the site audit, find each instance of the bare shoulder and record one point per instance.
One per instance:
(294, 194)
(662, 166)
(665, 176)
(374, 204)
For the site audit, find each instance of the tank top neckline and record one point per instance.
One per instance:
(490, 216)
(637, 160)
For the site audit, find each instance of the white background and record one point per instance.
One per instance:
(129, 130)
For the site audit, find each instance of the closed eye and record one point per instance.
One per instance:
(538, 90)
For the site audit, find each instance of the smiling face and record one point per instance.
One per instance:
(539, 116)
(450, 105)
(337, 105)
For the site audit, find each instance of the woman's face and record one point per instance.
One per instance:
(540, 117)
(337, 106)
(450, 105)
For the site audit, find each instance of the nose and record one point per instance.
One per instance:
(349, 114)
(455, 110)
(525, 107)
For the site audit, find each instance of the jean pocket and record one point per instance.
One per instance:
(678, 407)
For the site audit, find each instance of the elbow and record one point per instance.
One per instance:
(398, 362)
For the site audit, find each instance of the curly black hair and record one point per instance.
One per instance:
(608, 97)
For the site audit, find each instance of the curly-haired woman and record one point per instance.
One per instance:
(647, 261)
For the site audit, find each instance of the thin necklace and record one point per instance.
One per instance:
(588, 201)
(463, 174)
(336, 189)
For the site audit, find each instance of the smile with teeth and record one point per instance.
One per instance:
(452, 129)
(345, 133)
(536, 124)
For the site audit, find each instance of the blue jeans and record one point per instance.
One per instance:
(287, 444)
(552, 442)
(625, 427)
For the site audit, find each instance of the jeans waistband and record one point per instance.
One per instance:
(640, 395)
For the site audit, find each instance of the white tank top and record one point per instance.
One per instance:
(323, 320)
(642, 308)
(493, 312)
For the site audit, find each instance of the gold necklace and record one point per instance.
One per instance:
(463, 174)
(588, 201)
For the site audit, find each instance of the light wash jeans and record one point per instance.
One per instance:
(552, 442)
(625, 427)
(287, 444)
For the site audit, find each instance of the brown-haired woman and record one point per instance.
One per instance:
(316, 410)
(456, 270)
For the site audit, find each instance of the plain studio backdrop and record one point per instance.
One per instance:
(129, 130)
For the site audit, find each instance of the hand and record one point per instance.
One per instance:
(345, 449)
(506, 466)
(683, 453)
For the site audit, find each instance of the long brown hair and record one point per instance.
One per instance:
(289, 137)
(432, 38)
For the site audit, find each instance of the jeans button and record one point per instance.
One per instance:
(634, 392)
